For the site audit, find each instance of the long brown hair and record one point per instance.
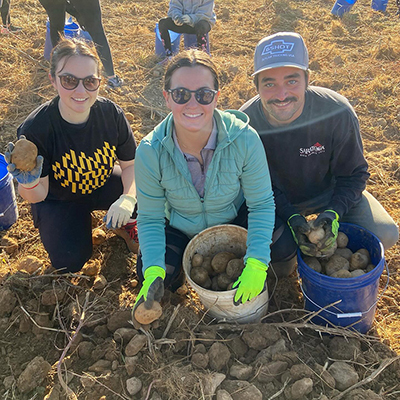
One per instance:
(67, 48)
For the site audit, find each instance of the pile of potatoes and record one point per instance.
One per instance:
(343, 263)
(218, 272)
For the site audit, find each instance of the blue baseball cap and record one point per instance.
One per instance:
(283, 49)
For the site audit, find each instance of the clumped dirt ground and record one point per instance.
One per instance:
(72, 333)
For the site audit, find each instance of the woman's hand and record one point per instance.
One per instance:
(251, 282)
(120, 211)
(27, 179)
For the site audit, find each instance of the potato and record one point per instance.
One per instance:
(357, 272)
(313, 263)
(223, 280)
(344, 252)
(145, 316)
(207, 283)
(234, 268)
(358, 261)
(370, 267)
(342, 240)
(207, 265)
(220, 261)
(316, 235)
(366, 253)
(342, 273)
(199, 275)
(335, 264)
(197, 260)
(24, 155)
(214, 284)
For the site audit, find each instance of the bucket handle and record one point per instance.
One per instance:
(347, 315)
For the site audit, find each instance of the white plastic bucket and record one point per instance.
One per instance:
(220, 304)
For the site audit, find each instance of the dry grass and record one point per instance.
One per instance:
(356, 56)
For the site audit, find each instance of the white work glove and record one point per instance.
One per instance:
(120, 211)
(186, 19)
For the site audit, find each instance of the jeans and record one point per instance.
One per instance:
(200, 29)
(65, 227)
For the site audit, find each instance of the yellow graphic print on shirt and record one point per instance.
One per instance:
(82, 173)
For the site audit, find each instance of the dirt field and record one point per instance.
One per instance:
(72, 333)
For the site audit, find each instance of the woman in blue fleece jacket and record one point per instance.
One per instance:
(198, 168)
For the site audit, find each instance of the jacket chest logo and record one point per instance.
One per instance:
(315, 149)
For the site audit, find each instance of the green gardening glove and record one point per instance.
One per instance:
(251, 282)
(152, 288)
(300, 228)
(329, 221)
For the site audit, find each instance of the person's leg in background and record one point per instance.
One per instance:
(88, 14)
(55, 10)
(7, 27)
(176, 242)
(370, 214)
(167, 24)
(201, 29)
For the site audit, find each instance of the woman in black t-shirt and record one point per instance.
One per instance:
(79, 137)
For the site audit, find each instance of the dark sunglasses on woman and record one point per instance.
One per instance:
(71, 82)
(182, 95)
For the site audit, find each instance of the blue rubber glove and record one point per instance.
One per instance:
(120, 211)
(299, 227)
(152, 288)
(251, 282)
(28, 179)
(329, 221)
(186, 19)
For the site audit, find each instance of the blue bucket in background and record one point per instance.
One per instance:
(175, 42)
(190, 41)
(379, 5)
(71, 30)
(8, 202)
(358, 296)
(342, 6)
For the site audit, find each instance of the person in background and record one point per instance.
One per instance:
(80, 138)
(7, 27)
(88, 15)
(198, 168)
(313, 144)
(187, 16)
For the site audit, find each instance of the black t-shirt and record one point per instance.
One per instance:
(319, 152)
(78, 159)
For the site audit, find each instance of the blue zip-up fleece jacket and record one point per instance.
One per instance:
(238, 172)
(196, 9)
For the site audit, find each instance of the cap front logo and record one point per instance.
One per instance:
(277, 47)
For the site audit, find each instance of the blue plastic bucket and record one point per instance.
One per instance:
(71, 30)
(8, 202)
(342, 6)
(175, 42)
(190, 40)
(379, 5)
(358, 296)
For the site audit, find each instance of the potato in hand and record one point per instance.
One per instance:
(24, 155)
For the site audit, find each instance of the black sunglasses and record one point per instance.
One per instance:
(182, 95)
(71, 82)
